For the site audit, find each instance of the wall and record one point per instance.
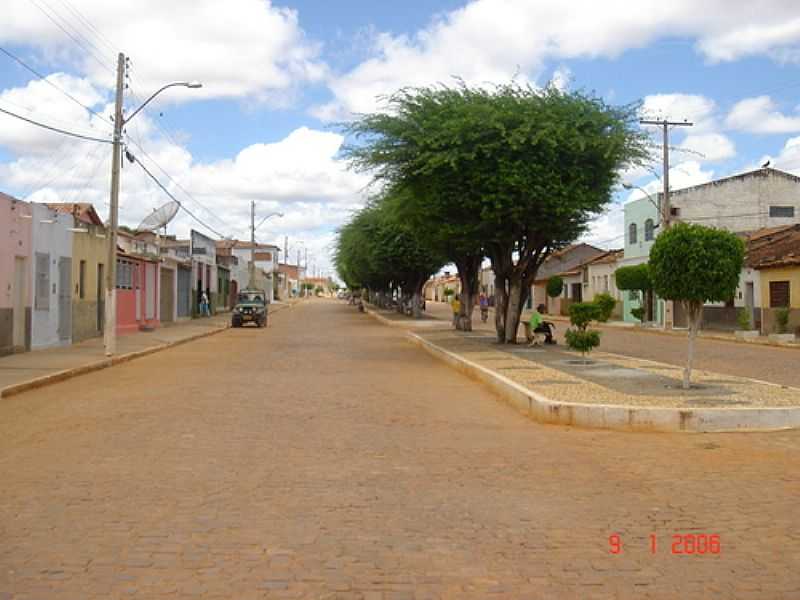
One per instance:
(50, 235)
(740, 203)
(596, 285)
(792, 275)
(91, 247)
(15, 240)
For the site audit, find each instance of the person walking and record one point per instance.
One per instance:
(205, 310)
(456, 304)
(483, 302)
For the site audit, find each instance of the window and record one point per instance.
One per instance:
(124, 274)
(42, 299)
(632, 233)
(82, 280)
(649, 230)
(781, 212)
(674, 211)
(778, 294)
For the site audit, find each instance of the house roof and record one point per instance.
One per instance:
(609, 257)
(567, 259)
(240, 244)
(777, 249)
(764, 172)
(83, 211)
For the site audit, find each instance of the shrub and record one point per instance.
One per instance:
(743, 319)
(782, 320)
(582, 340)
(555, 286)
(448, 292)
(638, 313)
(582, 313)
(605, 304)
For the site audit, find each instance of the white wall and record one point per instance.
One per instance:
(55, 239)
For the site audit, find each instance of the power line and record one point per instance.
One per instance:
(85, 21)
(22, 63)
(168, 193)
(55, 129)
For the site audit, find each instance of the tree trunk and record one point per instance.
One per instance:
(500, 303)
(695, 315)
(514, 306)
(469, 269)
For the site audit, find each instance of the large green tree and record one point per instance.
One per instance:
(510, 172)
(694, 265)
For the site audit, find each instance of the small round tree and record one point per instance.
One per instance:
(695, 264)
(582, 339)
(637, 278)
(555, 286)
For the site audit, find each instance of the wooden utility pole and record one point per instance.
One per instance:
(110, 324)
(666, 209)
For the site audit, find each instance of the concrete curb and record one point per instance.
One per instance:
(617, 417)
(45, 380)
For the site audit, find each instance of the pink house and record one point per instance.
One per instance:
(15, 269)
(137, 292)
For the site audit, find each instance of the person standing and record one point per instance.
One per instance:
(205, 311)
(456, 304)
(483, 301)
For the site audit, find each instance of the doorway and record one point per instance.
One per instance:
(64, 298)
(20, 295)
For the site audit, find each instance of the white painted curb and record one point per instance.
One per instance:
(618, 417)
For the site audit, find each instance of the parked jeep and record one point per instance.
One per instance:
(250, 307)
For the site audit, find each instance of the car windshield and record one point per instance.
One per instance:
(250, 297)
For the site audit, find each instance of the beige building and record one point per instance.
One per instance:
(89, 258)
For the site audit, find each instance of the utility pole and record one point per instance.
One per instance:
(110, 325)
(299, 289)
(666, 209)
(252, 283)
(665, 125)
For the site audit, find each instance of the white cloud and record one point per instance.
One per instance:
(41, 101)
(788, 159)
(494, 40)
(237, 48)
(713, 146)
(695, 108)
(760, 115)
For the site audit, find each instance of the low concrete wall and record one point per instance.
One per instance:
(621, 418)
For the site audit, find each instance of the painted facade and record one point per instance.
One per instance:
(204, 270)
(15, 285)
(51, 274)
(641, 228)
(137, 293)
(563, 263)
(598, 278)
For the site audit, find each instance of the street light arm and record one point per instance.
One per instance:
(629, 186)
(275, 214)
(188, 84)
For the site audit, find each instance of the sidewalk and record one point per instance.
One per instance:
(29, 370)
(609, 391)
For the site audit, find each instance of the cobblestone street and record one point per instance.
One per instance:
(326, 457)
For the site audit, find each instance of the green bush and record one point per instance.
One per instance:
(582, 340)
(638, 313)
(782, 320)
(605, 303)
(448, 292)
(743, 319)
(555, 286)
(582, 313)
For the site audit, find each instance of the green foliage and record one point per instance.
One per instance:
(582, 340)
(605, 304)
(696, 264)
(782, 320)
(555, 286)
(448, 292)
(743, 319)
(638, 313)
(513, 171)
(635, 278)
(582, 313)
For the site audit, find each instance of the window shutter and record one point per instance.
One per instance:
(42, 298)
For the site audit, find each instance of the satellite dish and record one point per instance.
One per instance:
(159, 217)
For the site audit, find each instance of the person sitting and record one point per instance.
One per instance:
(539, 326)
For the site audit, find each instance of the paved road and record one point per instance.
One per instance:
(770, 363)
(325, 457)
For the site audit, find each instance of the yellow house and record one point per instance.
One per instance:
(778, 264)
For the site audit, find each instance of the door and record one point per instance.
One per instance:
(20, 295)
(184, 292)
(64, 298)
(166, 301)
(149, 291)
(100, 298)
(577, 292)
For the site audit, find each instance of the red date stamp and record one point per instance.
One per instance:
(680, 543)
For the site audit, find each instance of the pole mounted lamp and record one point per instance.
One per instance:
(253, 228)
(110, 325)
(630, 186)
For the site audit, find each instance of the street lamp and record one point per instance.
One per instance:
(253, 228)
(630, 186)
(110, 332)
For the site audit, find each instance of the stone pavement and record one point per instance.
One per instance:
(325, 457)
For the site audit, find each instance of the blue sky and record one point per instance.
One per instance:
(278, 76)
